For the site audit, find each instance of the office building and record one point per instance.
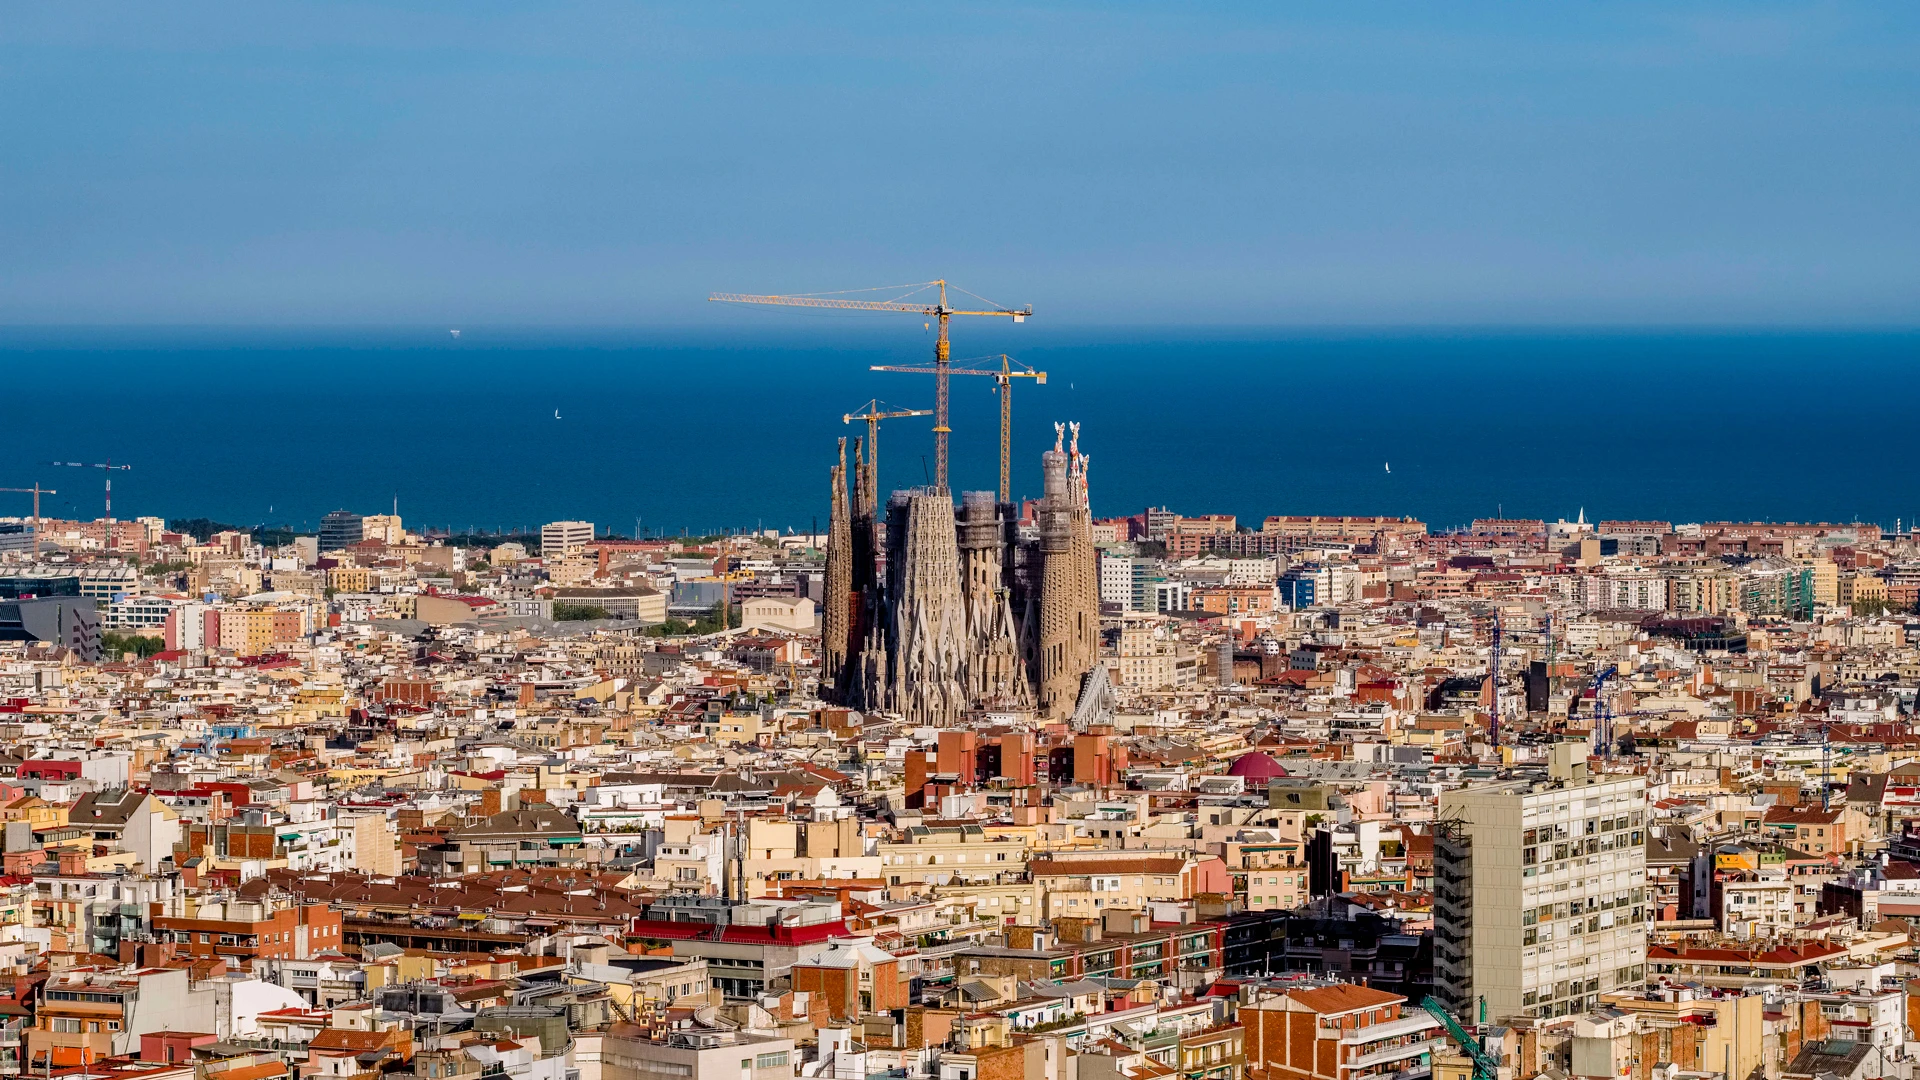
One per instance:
(72, 622)
(1298, 588)
(37, 583)
(1540, 892)
(1129, 582)
(341, 529)
(558, 536)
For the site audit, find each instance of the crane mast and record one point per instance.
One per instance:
(37, 491)
(1003, 385)
(873, 412)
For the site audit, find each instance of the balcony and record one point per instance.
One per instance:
(1397, 1053)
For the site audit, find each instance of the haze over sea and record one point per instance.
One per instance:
(710, 429)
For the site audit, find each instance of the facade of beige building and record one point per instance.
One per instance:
(1540, 895)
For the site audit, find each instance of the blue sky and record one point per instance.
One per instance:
(1235, 164)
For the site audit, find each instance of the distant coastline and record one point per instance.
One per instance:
(707, 429)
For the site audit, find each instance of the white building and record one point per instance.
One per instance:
(1757, 905)
(140, 614)
(1540, 892)
(1116, 580)
(558, 536)
(795, 614)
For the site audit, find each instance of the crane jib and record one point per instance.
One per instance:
(938, 310)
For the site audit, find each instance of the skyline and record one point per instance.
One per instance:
(1121, 165)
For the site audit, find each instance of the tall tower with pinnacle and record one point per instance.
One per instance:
(1084, 596)
(929, 616)
(936, 610)
(994, 669)
(839, 597)
(1058, 678)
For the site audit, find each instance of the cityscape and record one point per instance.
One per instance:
(961, 787)
(492, 589)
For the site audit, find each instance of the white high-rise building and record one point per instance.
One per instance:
(1540, 892)
(557, 536)
(1116, 580)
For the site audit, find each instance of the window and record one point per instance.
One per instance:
(770, 1061)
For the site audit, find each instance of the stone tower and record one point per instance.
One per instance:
(1058, 683)
(1084, 601)
(994, 668)
(838, 597)
(929, 614)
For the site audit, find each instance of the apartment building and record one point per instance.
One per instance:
(696, 1053)
(86, 1014)
(1540, 892)
(1085, 886)
(1337, 1032)
(960, 855)
(242, 930)
(1150, 658)
(557, 537)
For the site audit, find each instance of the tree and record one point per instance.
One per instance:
(142, 646)
(715, 620)
(566, 612)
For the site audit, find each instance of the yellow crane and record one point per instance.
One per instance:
(938, 311)
(875, 411)
(1003, 378)
(37, 492)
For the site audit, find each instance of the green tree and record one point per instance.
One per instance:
(715, 620)
(114, 644)
(566, 612)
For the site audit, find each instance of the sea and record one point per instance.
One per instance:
(665, 432)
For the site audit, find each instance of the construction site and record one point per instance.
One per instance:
(936, 611)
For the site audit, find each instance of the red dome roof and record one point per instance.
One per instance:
(1256, 766)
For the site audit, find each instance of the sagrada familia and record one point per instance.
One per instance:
(932, 612)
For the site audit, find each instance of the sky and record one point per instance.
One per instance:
(1111, 163)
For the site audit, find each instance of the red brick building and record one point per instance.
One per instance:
(1337, 1032)
(850, 980)
(241, 931)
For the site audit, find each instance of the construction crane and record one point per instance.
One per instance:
(1485, 1065)
(110, 468)
(37, 492)
(1604, 716)
(1003, 377)
(1601, 714)
(939, 311)
(875, 411)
